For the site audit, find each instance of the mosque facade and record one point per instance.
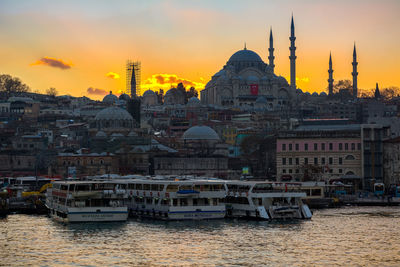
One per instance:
(246, 80)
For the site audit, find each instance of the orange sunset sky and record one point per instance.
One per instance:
(77, 45)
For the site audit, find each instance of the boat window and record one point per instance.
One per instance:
(164, 202)
(160, 187)
(237, 200)
(215, 201)
(197, 187)
(139, 186)
(131, 186)
(172, 188)
(82, 187)
(205, 187)
(216, 187)
(64, 187)
(154, 187)
(146, 187)
(262, 188)
(195, 202)
(316, 192)
(71, 187)
(257, 201)
(184, 202)
(174, 201)
(149, 200)
(185, 187)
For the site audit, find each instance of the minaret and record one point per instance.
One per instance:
(330, 71)
(355, 73)
(377, 93)
(133, 82)
(292, 56)
(271, 49)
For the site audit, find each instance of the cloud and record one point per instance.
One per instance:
(304, 79)
(166, 81)
(52, 62)
(113, 75)
(96, 91)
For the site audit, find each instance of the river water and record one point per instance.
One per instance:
(351, 236)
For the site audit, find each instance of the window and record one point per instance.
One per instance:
(340, 161)
(330, 160)
(290, 171)
(297, 147)
(350, 157)
(297, 161)
(306, 147)
(322, 161)
(340, 146)
(283, 161)
(346, 146)
(315, 161)
(290, 161)
(353, 146)
(330, 146)
(284, 171)
(359, 146)
(283, 147)
(340, 171)
(305, 160)
(297, 171)
(322, 146)
(330, 170)
(315, 146)
(290, 147)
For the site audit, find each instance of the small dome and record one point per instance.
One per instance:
(245, 56)
(323, 94)
(193, 101)
(200, 133)
(110, 99)
(117, 135)
(252, 79)
(124, 97)
(314, 94)
(113, 113)
(101, 134)
(299, 91)
(149, 93)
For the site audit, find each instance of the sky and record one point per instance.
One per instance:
(81, 47)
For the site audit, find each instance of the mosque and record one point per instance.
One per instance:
(246, 80)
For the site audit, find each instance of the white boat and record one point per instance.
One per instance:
(173, 199)
(265, 200)
(86, 201)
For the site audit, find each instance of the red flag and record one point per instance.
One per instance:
(254, 89)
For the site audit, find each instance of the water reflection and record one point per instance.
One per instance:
(349, 236)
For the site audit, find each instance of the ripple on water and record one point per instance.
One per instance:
(350, 236)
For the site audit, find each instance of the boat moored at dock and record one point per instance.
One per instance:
(265, 201)
(175, 199)
(86, 201)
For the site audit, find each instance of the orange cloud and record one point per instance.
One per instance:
(166, 81)
(52, 62)
(96, 91)
(113, 75)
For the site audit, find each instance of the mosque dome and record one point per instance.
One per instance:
(101, 134)
(245, 56)
(323, 94)
(252, 79)
(314, 94)
(149, 93)
(113, 113)
(200, 133)
(193, 101)
(124, 97)
(219, 73)
(110, 99)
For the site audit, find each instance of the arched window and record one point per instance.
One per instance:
(349, 173)
(350, 157)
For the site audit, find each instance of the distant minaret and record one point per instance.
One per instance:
(330, 71)
(355, 73)
(292, 56)
(271, 51)
(377, 93)
(133, 83)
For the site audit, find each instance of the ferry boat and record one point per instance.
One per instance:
(175, 199)
(265, 200)
(86, 201)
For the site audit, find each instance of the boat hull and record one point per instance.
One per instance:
(105, 214)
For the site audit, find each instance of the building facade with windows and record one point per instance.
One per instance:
(320, 154)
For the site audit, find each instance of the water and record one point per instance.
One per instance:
(354, 236)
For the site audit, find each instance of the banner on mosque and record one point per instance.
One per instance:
(254, 89)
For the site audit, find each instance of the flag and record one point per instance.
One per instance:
(254, 89)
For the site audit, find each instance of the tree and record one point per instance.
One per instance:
(192, 93)
(342, 84)
(390, 92)
(52, 92)
(11, 85)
